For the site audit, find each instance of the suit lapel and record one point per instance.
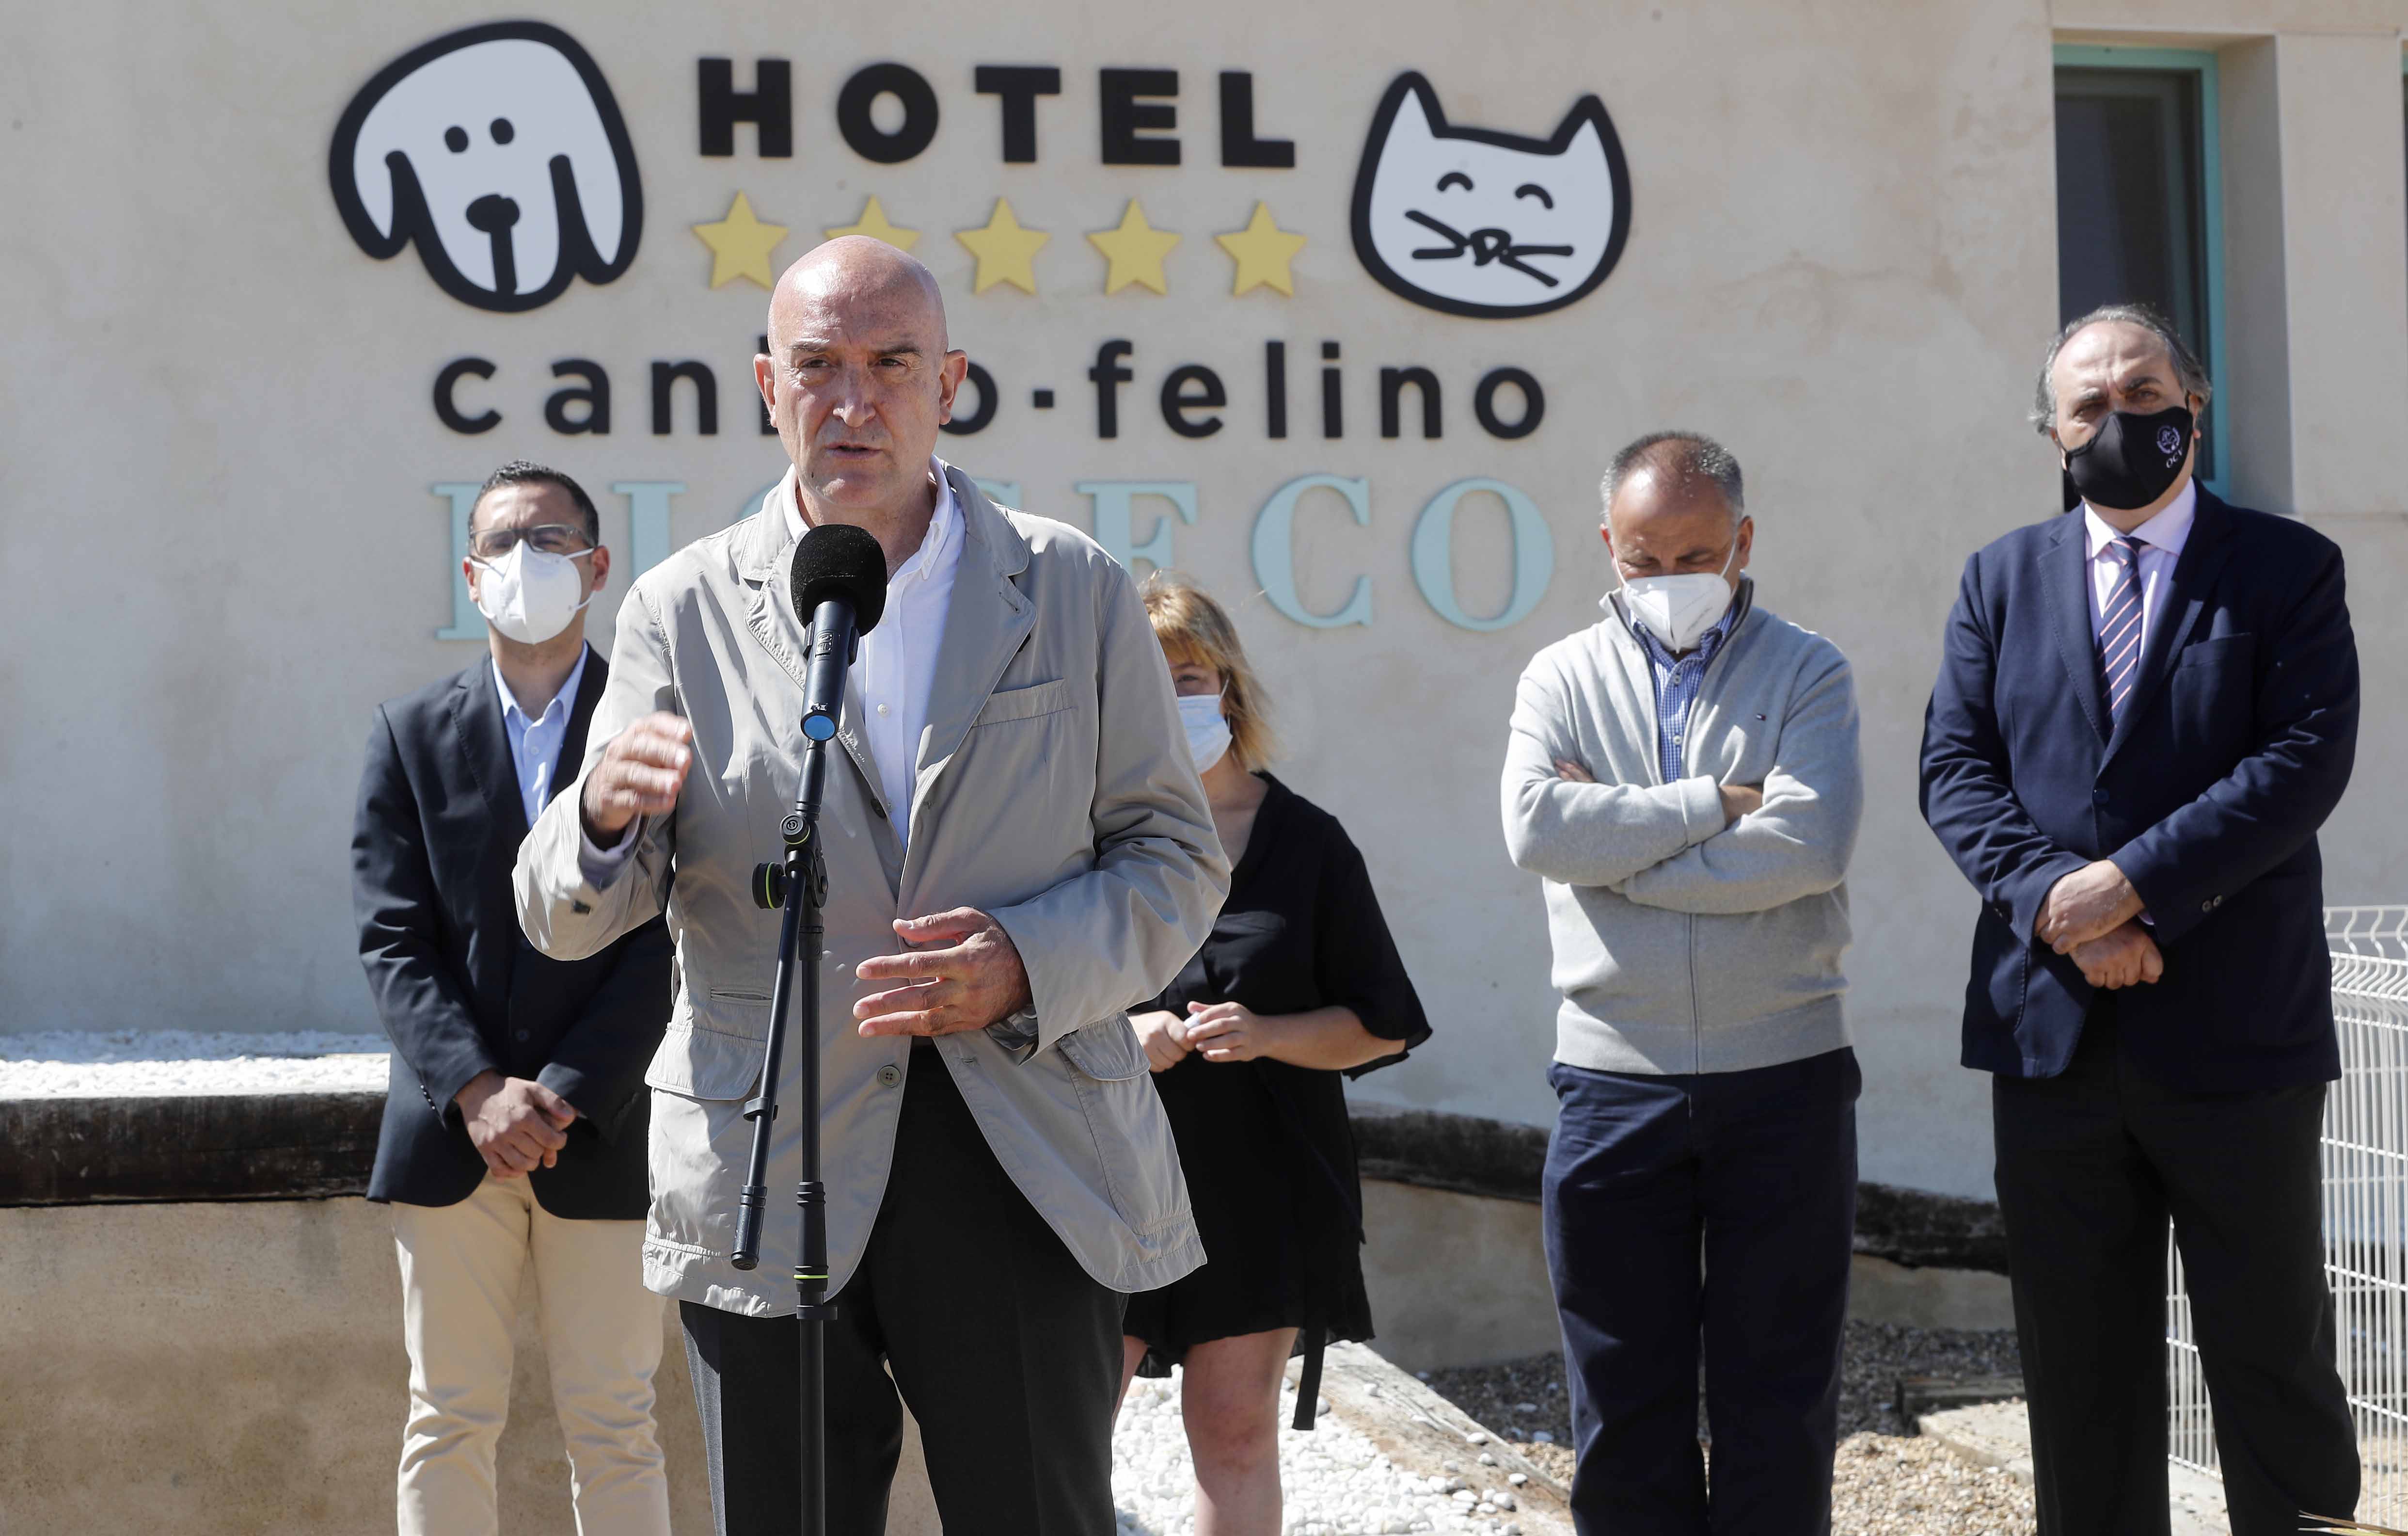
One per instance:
(2178, 610)
(985, 622)
(580, 716)
(485, 747)
(2065, 575)
(766, 560)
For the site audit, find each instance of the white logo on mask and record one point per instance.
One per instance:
(2169, 444)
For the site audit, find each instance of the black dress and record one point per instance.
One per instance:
(1267, 1148)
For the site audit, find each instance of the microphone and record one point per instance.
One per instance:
(839, 587)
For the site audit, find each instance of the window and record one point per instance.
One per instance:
(2138, 204)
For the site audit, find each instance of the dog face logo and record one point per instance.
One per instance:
(498, 149)
(1483, 223)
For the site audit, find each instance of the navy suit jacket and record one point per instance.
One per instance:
(2235, 745)
(457, 985)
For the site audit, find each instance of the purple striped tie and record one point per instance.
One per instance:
(2119, 627)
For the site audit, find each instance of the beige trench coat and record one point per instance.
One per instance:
(1053, 790)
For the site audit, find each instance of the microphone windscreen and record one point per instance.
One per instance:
(838, 560)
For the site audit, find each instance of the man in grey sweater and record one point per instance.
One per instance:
(1683, 775)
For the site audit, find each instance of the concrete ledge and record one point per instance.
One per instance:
(1920, 1230)
(1502, 1160)
(1464, 1153)
(309, 1145)
(1880, 1291)
(1999, 1435)
(1428, 1437)
(187, 1147)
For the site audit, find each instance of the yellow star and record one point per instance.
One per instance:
(1262, 250)
(873, 223)
(1135, 249)
(1006, 253)
(741, 245)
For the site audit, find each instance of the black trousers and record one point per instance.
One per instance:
(1008, 1353)
(2091, 1165)
(1720, 1204)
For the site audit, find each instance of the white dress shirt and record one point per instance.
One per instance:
(535, 744)
(897, 665)
(2161, 537)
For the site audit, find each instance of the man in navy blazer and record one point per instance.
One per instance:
(2146, 707)
(515, 1122)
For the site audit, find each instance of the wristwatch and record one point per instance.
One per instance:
(1016, 1031)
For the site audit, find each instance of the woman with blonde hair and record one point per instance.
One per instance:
(1299, 982)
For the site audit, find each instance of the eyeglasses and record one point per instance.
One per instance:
(547, 538)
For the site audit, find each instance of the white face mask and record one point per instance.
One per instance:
(1678, 610)
(530, 595)
(1208, 732)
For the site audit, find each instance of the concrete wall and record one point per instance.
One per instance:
(236, 1368)
(221, 547)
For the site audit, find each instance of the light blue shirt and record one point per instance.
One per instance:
(1678, 681)
(535, 744)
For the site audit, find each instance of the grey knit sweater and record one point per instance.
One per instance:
(1682, 945)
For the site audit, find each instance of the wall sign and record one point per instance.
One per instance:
(1488, 224)
(500, 152)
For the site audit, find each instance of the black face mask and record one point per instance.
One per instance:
(2133, 460)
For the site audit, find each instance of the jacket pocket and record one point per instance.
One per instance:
(2219, 651)
(1026, 703)
(1106, 1051)
(1132, 1138)
(712, 1050)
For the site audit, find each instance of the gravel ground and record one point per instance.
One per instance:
(75, 1064)
(1334, 1481)
(1884, 1480)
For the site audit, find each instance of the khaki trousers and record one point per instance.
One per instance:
(461, 1267)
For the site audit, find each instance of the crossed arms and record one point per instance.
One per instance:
(1692, 845)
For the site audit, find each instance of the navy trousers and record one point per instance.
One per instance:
(2091, 1165)
(1716, 1207)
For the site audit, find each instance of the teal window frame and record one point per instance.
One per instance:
(2202, 64)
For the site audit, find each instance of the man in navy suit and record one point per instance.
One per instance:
(515, 1124)
(2146, 707)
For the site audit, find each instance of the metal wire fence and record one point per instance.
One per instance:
(2365, 1216)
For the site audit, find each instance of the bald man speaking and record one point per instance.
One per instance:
(1018, 850)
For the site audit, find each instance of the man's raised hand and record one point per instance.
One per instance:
(640, 773)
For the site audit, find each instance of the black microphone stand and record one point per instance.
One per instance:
(799, 884)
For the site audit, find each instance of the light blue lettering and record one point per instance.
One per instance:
(1116, 517)
(1433, 554)
(1275, 551)
(648, 519)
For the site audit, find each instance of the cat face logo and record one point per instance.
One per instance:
(498, 149)
(1483, 223)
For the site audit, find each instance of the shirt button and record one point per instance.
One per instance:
(889, 1076)
(522, 1034)
(883, 710)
